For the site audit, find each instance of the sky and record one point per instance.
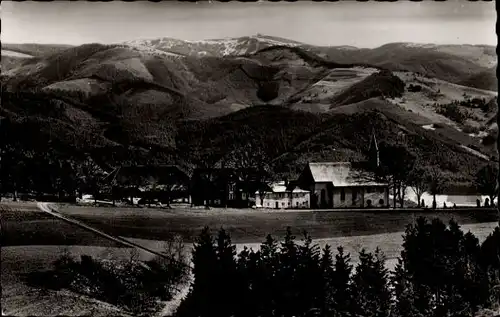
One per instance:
(361, 24)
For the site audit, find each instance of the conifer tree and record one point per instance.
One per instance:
(205, 276)
(342, 292)
(266, 264)
(227, 280)
(404, 305)
(308, 275)
(370, 286)
(286, 278)
(327, 274)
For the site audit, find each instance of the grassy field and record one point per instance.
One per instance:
(247, 226)
(26, 225)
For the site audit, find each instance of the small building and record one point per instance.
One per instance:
(343, 185)
(283, 196)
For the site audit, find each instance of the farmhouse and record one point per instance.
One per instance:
(225, 187)
(283, 196)
(343, 185)
(162, 182)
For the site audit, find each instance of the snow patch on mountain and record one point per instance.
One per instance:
(15, 54)
(210, 47)
(150, 50)
(418, 45)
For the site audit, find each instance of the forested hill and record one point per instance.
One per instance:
(288, 102)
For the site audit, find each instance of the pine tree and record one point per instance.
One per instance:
(342, 292)
(370, 286)
(404, 305)
(202, 297)
(287, 291)
(244, 289)
(309, 277)
(327, 274)
(226, 276)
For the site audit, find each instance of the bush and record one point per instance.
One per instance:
(132, 285)
(470, 129)
(414, 88)
(453, 112)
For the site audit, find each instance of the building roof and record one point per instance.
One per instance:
(342, 174)
(282, 188)
(278, 188)
(298, 190)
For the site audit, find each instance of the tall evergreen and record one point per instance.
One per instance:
(342, 293)
(204, 258)
(404, 294)
(286, 278)
(370, 286)
(226, 276)
(308, 276)
(327, 274)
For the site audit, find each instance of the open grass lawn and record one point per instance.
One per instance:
(30, 226)
(27, 225)
(252, 226)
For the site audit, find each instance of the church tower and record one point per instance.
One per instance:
(374, 155)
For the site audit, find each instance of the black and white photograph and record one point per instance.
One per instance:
(249, 159)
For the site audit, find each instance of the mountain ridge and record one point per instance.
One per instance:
(134, 102)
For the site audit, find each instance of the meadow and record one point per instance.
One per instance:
(249, 226)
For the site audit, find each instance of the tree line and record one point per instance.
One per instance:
(403, 168)
(441, 271)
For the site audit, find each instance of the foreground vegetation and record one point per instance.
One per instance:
(135, 286)
(441, 271)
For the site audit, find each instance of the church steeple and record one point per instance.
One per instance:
(373, 150)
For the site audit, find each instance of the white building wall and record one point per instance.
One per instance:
(284, 200)
(363, 195)
(301, 200)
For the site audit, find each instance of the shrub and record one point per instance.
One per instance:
(131, 285)
(453, 112)
(414, 88)
(470, 129)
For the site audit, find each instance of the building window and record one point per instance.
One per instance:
(282, 204)
(297, 204)
(342, 194)
(354, 195)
